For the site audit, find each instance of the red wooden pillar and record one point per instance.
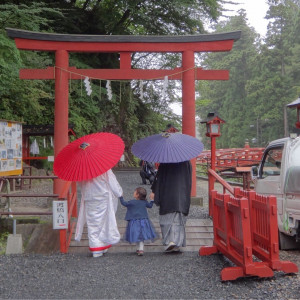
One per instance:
(188, 104)
(61, 108)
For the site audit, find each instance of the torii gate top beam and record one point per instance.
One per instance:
(28, 40)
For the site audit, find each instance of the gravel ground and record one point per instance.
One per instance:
(126, 276)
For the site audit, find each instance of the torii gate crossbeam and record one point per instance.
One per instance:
(62, 44)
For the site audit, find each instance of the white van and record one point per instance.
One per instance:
(279, 174)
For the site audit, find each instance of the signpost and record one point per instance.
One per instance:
(60, 214)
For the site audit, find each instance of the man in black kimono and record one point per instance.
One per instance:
(172, 193)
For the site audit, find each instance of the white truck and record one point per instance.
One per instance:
(279, 174)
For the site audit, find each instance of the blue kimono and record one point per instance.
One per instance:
(139, 227)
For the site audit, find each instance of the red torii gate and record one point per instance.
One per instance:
(62, 44)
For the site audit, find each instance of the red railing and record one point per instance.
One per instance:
(232, 237)
(68, 193)
(231, 158)
(212, 177)
(245, 224)
(264, 229)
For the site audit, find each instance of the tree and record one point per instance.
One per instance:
(20, 100)
(263, 78)
(229, 98)
(126, 114)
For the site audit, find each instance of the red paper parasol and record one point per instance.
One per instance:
(88, 156)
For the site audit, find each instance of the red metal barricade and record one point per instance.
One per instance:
(245, 224)
(232, 237)
(264, 230)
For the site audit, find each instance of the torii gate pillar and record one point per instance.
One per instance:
(61, 115)
(188, 104)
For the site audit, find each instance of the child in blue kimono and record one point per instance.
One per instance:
(139, 228)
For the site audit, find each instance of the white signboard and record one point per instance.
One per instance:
(60, 214)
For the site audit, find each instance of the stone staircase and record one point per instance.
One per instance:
(199, 233)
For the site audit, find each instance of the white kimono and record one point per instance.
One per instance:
(98, 207)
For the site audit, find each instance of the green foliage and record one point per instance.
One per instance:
(3, 239)
(22, 100)
(32, 101)
(263, 78)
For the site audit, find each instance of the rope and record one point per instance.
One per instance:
(156, 78)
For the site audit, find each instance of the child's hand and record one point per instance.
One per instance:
(151, 196)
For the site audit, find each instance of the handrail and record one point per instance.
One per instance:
(29, 177)
(27, 213)
(72, 203)
(64, 193)
(29, 195)
(224, 183)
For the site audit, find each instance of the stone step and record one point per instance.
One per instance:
(191, 223)
(132, 249)
(157, 228)
(189, 242)
(193, 235)
(199, 232)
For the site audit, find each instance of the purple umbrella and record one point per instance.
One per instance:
(167, 148)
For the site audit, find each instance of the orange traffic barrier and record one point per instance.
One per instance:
(232, 237)
(264, 230)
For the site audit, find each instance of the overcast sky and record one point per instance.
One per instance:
(255, 10)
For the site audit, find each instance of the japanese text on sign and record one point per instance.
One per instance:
(60, 214)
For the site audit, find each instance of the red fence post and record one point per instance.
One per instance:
(208, 250)
(63, 240)
(74, 192)
(232, 237)
(69, 193)
(243, 225)
(264, 227)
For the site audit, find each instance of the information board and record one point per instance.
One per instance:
(10, 148)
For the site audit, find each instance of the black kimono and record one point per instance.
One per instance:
(172, 187)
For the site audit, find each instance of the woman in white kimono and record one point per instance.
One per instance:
(98, 207)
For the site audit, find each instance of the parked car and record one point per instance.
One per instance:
(278, 174)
